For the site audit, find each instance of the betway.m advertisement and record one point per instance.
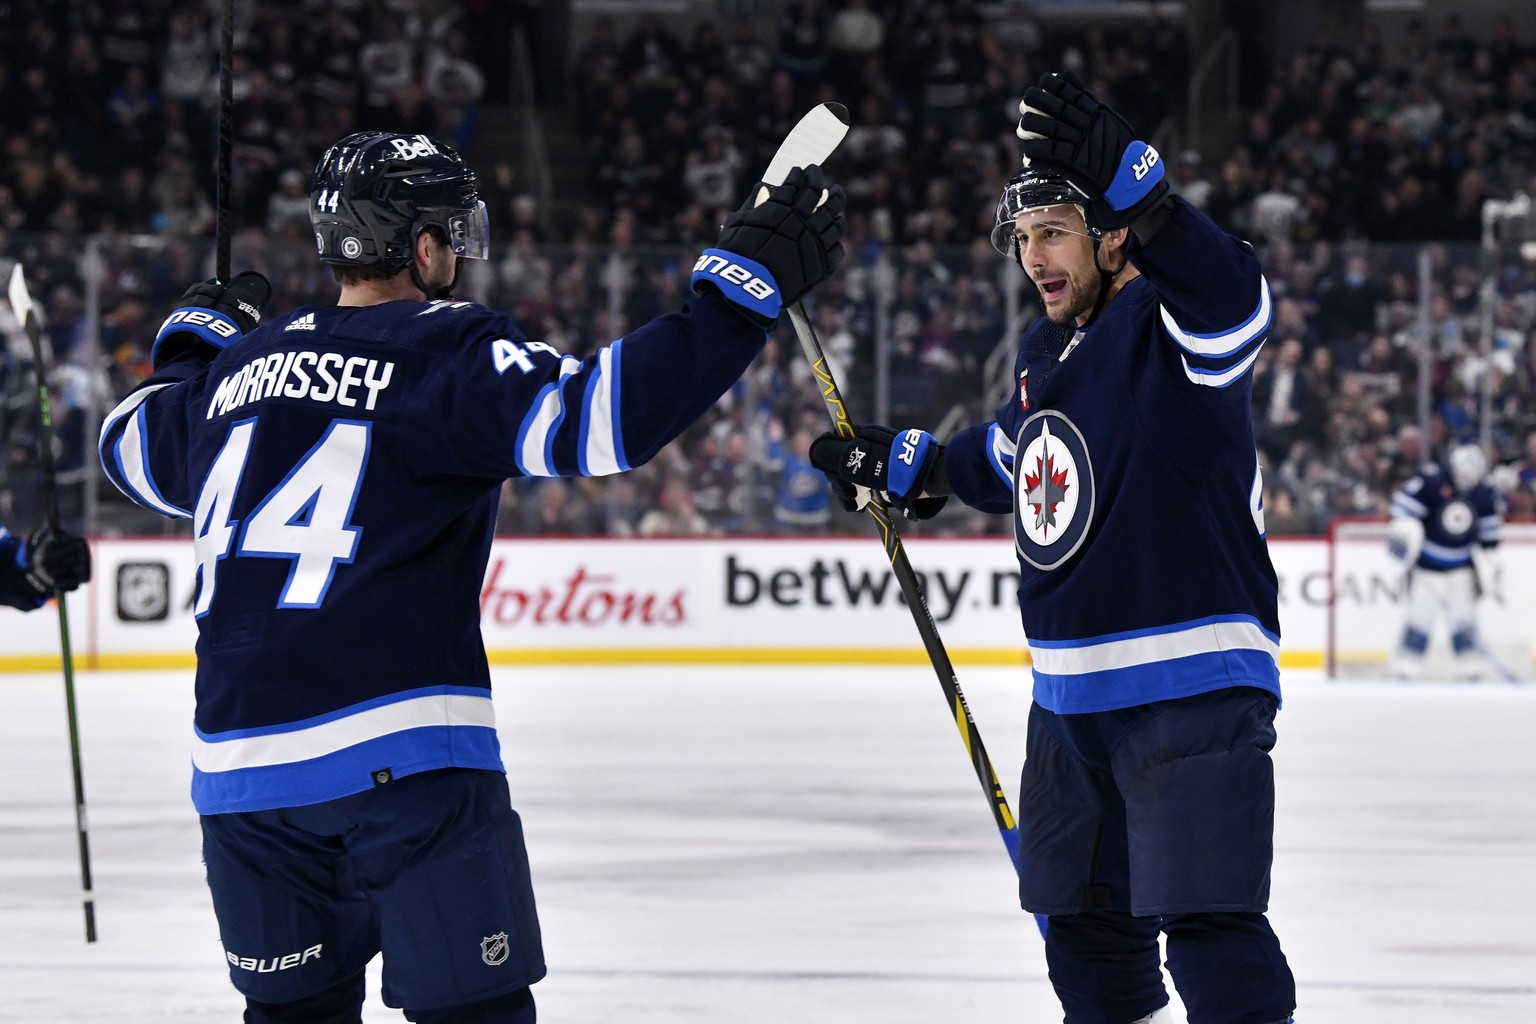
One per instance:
(623, 601)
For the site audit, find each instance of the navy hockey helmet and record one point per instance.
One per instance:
(1033, 190)
(373, 194)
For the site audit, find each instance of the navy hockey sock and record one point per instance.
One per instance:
(340, 1004)
(1104, 966)
(1229, 969)
(511, 1008)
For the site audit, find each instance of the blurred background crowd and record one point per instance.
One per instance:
(611, 146)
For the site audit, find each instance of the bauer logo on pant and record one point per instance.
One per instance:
(1054, 492)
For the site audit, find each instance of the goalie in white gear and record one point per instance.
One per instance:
(1445, 529)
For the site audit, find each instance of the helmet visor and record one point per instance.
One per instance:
(469, 232)
(1027, 192)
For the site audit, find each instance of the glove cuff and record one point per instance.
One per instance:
(744, 283)
(207, 325)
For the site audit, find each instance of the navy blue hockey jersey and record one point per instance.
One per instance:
(1453, 521)
(1126, 455)
(341, 469)
(14, 590)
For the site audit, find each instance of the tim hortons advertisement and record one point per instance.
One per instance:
(619, 601)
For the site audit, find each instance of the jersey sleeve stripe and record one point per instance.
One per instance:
(603, 444)
(1000, 453)
(536, 436)
(1220, 378)
(126, 458)
(1403, 504)
(1222, 343)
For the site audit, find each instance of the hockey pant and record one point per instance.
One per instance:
(1451, 593)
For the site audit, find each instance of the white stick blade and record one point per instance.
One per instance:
(811, 141)
(21, 302)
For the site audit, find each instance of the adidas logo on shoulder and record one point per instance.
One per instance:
(303, 323)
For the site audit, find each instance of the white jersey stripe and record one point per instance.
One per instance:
(1105, 656)
(128, 453)
(547, 414)
(600, 417)
(341, 733)
(1224, 378)
(1222, 343)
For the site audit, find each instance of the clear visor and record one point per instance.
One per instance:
(1020, 197)
(469, 233)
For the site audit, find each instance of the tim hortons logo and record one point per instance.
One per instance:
(582, 599)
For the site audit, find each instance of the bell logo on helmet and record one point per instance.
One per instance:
(416, 146)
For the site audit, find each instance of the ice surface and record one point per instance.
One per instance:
(801, 846)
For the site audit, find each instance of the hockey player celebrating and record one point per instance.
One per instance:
(44, 565)
(1126, 457)
(341, 468)
(1445, 529)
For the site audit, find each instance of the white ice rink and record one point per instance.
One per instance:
(801, 846)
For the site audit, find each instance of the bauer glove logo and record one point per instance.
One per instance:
(1144, 166)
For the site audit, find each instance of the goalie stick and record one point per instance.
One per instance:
(26, 314)
(811, 141)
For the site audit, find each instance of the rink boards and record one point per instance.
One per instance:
(822, 600)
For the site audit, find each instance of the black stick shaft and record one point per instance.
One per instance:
(51, 499)
(1002, 815)
(222, 228)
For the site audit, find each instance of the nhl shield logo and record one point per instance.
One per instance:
(494, 949)
(1053, 490)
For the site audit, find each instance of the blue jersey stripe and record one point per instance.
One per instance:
(1162, 680)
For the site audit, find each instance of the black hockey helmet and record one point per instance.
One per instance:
(373, 194)
(1034, 189)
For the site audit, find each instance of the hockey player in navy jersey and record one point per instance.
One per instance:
(340, 468)
(44, 565)
(1445, 529)
(1126, 456)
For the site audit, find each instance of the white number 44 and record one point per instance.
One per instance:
(305, 519)
(505, 353)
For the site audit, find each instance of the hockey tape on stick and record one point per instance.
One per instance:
(27, 314)
(812, 141)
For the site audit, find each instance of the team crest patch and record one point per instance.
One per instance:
(1457, 518)
(1024, 390)
(494, 948)
(1053, 493)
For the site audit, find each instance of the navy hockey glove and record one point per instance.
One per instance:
(783, 241)
(213, 314)
(55, 562)
(898, 464)
(1064, 127)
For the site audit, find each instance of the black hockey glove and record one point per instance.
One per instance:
(213, 314)
(1064, 127)
(783, 241)
(898, 464)
(55, 562)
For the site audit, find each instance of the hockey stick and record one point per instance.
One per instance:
(811, 141)
(26, 313)
(226, 139)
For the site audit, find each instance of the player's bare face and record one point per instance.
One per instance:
(1056, 252)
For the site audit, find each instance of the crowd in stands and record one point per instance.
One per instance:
(677, 128)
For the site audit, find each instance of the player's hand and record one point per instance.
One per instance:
(897, 464)
(1064, 127)
(783, 241)
(212, 314)
(55, 563)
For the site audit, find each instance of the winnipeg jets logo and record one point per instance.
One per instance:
(1045, 488)
(1053, 490)
(1456, 518)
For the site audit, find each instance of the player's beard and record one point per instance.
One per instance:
(1081, 296)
